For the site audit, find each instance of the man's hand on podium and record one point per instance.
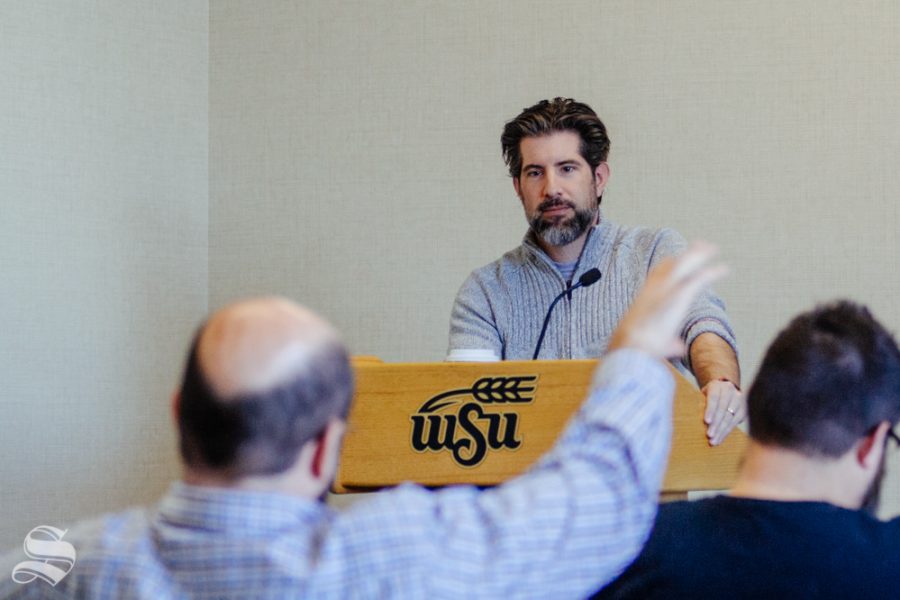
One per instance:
(657, 314)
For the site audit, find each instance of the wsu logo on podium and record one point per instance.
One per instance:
(456, 420)
(51, 558)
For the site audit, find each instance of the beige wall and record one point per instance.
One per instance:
(103, 241)
(354, 156)
(354, 148)
(353, 165)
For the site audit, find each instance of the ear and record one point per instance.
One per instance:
(327, 449)
(601, 177)
(517, 188)
(870, 448)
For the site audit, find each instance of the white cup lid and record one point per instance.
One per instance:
(472, 355)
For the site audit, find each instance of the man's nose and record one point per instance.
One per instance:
(551, 185)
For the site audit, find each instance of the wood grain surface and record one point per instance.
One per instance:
(379, 450)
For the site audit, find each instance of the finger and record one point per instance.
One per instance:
(720, 408)
(714, 429)
(681, 295)
(723, 421)
(691, 286)
(672, 273)
(698, 255)
(719, 428)
(712, 399)
(735, 409)
(726, 428)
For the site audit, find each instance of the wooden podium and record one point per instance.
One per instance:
(481, 423)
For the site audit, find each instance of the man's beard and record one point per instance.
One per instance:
(872, 497)
(561, 232)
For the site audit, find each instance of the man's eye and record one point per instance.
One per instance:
(568, 168)
(532, 173)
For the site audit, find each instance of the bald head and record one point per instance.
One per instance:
(256, 345)
(263, 377)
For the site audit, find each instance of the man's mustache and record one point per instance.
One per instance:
(554, 203)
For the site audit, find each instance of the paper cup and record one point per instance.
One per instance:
(472, 355)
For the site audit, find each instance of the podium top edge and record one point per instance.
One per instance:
(374, 361)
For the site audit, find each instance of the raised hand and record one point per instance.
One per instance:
(657, 314)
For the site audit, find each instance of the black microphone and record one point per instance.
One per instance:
(587, 278)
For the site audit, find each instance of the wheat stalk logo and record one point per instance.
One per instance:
(487, 390)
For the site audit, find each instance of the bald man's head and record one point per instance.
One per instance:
(263, 377)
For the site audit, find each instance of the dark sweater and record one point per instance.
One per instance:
(728, 547)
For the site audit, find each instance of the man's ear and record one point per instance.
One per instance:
(516, 186)
(328, 449)
(601, 178)
(870, 448)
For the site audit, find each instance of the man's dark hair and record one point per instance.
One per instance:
(261, 433)
(826, 381)
(548, 116)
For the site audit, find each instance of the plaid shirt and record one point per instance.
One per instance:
(568, 526)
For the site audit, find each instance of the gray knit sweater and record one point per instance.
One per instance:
(501, 306)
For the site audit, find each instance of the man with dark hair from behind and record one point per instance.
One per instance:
(799, 522)
(261, 412)
(556, 152)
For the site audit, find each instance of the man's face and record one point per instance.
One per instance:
(557, 187)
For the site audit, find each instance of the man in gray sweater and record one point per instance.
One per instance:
(556, 152)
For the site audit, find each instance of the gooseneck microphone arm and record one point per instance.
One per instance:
(587, 278)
